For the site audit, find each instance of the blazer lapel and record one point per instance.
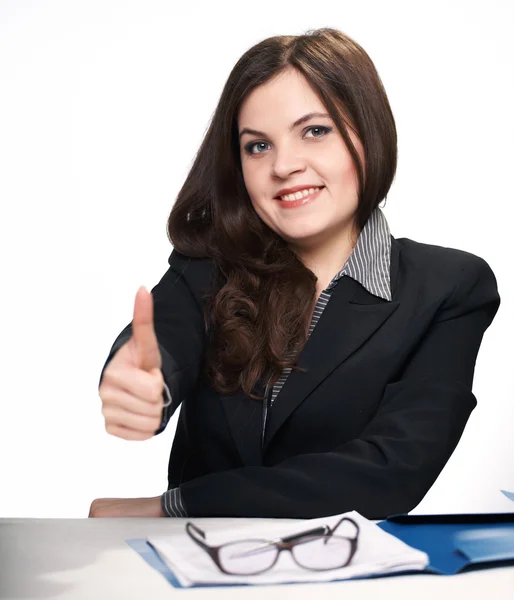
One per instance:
(350, 318)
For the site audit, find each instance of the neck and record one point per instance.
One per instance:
(326, 259)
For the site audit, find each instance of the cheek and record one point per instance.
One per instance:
(350, 174)
(255, 199)
(262, 210)
(337, 164)
(343, 174)
(251, 181)
(254, 189)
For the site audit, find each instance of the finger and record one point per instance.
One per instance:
(146, 386)
(119, 416)
(112, 396)
(126, 433)
(143, 332)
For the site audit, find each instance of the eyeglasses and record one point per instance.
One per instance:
(317, 549)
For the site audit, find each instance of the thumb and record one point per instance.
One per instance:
(148, 355)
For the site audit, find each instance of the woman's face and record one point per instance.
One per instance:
(308, 155)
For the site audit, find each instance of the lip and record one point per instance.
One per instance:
(296, 188)
(301, 201)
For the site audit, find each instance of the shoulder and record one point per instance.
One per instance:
(440, 262)
(458, 276)
(181, 262)
(197, 273)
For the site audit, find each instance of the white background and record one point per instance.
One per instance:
(103, 105)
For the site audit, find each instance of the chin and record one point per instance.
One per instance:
(304, 236)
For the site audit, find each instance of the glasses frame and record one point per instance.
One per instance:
(282, 544)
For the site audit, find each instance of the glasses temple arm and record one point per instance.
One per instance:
(318, 531)
(193, 531)
(297, 536)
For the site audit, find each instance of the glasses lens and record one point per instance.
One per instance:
(322, 553)
(247, 557)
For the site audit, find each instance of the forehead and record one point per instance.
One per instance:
(280, 100)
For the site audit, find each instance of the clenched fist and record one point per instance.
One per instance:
(132, 384)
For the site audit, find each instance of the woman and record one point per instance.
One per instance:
(321, 365)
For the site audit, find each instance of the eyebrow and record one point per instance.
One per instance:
(299, 121)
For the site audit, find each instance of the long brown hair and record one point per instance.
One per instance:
(260, 305)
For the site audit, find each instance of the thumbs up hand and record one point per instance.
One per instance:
(132, 383)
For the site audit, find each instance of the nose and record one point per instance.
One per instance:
(287, 161)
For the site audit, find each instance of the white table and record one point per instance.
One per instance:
(89, 559)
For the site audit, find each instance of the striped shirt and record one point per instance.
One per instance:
(369, 265)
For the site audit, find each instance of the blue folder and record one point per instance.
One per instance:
(510, 495)
(457, 542)
(454, 543)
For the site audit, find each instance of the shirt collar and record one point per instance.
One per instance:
(370, 261)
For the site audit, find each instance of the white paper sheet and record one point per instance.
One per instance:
(378, 552)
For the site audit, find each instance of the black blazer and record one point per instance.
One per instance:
(371, 424)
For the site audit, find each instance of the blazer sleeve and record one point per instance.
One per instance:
(402, 450)
(179, 328)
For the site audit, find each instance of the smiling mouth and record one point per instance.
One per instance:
(302, 201)
(316, 189)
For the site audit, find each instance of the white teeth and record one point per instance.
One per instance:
(298, 195)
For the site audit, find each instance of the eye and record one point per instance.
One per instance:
(324, 130)
(248, 147)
